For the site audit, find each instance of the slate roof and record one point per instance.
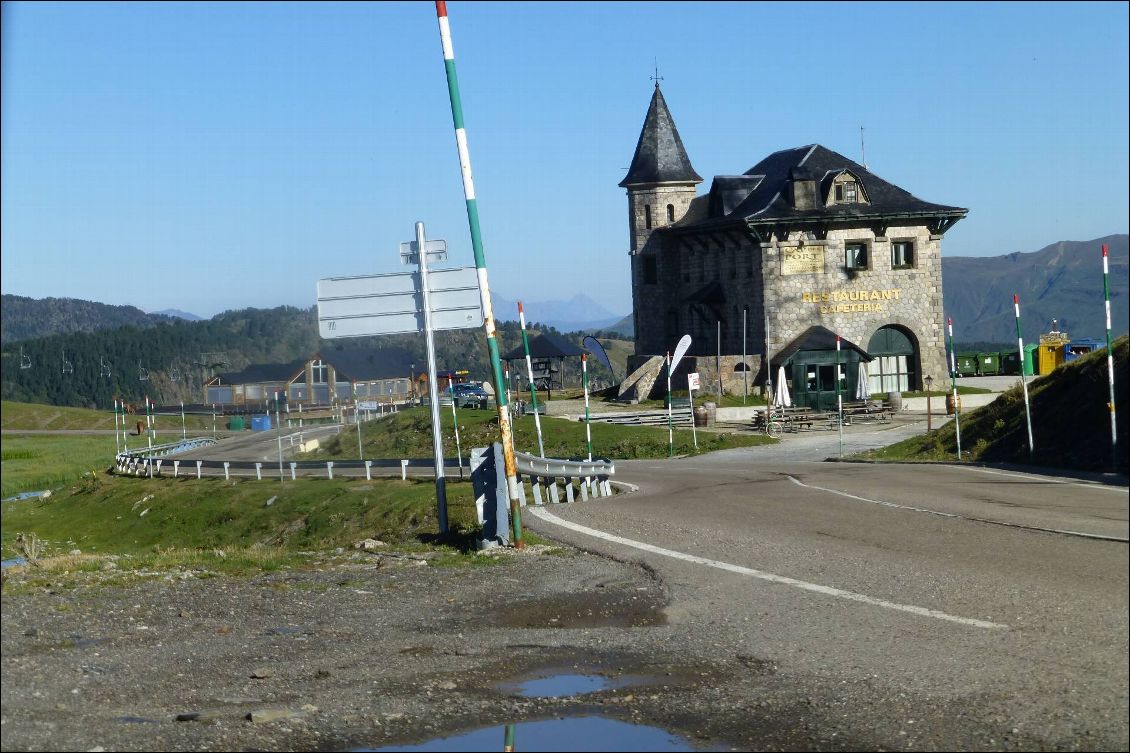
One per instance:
(363, 365)
(545, 345)
(660, 156)
(769, 195)
(817, 338)
(259, 373)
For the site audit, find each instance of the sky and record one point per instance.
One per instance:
(207, 157)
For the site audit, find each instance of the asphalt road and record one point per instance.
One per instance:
(940, 590)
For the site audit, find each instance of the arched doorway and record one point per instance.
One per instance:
(895, 368)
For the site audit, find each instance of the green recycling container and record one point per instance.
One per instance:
(967, 364)
(989, 364)
(236, 423)
(1010, 363)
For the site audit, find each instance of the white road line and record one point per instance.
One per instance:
(814, 587)
(1037, 479)
(955, 515)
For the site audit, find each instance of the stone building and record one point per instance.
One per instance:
(805, 239)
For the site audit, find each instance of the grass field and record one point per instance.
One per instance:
(237, 526)
(36, 417)
(34, 462)
(408, 434)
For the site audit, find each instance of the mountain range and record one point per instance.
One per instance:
(1062, 281)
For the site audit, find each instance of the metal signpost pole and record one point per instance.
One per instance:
(117, 439)
(433, 392)
(149, 421)
(692, 385)
(745, 366)
(670, 426)
(718, 360)
(839, 399)
(530, 375)
(213, 420)
(510, 467)
(278, 433)
(768, 364)
(1023, 382)
(1109, 363)
(183, 430)
(953, 381)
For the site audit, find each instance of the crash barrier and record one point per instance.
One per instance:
(548, 479)
(151, 466)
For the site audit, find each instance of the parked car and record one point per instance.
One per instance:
(469, 396)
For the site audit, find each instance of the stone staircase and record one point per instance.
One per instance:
(638, 385)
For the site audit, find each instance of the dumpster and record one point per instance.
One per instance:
(236, 423)
(967, 364)
(1030, 359)
(1081, 347)
(1010, 363)
(989, 364)
(260, 423)
(1051, 355)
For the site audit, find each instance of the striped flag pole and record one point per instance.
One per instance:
(953, 381)
(481, 265)
(1110, 361)
(670, 426)
(530, 376)
(585, 382)
(839, 398)
(1024, 382)
(117, 439)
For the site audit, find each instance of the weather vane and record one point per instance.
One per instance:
(656, 78)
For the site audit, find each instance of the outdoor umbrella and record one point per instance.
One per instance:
(863, 383)
(781, 398)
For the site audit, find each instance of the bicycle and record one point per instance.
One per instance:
(774, 422)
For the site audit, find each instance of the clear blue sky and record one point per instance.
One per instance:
(217, 156)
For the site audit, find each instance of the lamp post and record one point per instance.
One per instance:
(412, 385)
(929, 380)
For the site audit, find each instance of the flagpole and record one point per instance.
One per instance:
(530, 376)
(1110, 363)
(1023, 382)
(953, 381)
(510, 467)
(670, 429)
(839, 398)
(585, 382)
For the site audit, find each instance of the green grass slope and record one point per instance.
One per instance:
(1070, 421)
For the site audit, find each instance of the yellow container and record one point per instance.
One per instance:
(1050, 357)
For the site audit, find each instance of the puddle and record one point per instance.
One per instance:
(580, 733)
(616, 609)
(286, 630)
(5, 564)
(135, 720)
(77, 641)
(564, 685)
(25, 495)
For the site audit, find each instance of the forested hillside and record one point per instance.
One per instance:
(27, 318)
(176, 357)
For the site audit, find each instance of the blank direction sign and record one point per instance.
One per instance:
(393, 304)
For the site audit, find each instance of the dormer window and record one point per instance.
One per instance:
(847, 189)
(847, 192)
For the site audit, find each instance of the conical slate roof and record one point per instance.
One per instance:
(660, 156)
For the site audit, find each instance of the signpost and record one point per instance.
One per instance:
(692, 385)
(420, 301)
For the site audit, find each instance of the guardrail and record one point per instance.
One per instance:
(137, 465)
(488, 476)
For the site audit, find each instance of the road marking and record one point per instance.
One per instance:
(955, 515)
(1037, 479)
(814, 587)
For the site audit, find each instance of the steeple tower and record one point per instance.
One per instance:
(660, 181)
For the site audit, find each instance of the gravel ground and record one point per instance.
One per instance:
(375, 650)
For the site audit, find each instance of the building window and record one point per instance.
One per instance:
(856, 255)
(847, 192)
(902, 254)
(670, 213)
(647, 216)
(318, 372)
(650, 271)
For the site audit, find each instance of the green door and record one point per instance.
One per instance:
(816, 385)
